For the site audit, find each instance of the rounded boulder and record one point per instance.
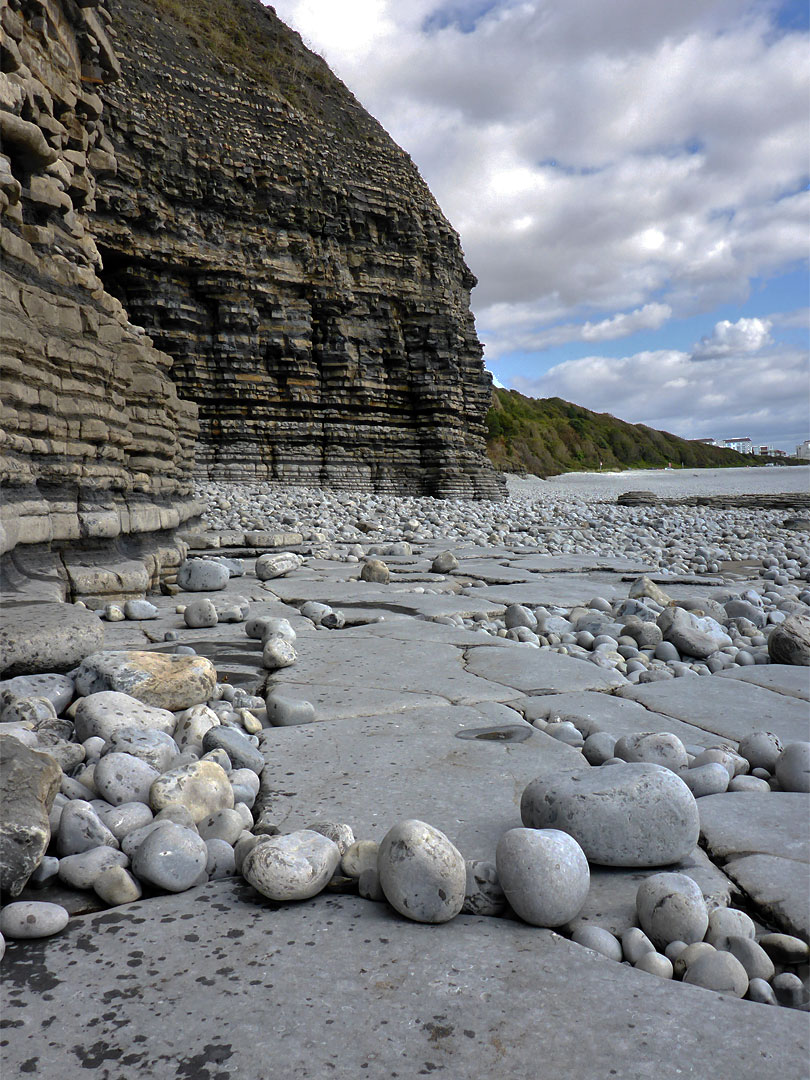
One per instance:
(422, 874)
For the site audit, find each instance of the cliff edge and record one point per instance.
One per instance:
(275, 241)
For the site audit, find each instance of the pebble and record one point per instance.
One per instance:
(793, 767)
(262, 627)
(748, 783)
(202, 575)
(657, 748)
(790, 990)
(291, 867)
(369, 887)
(358, 857)
(375, 570)
(200, 614)
(599, 940)
(336, 831)
(483, 894)
(286, 711)
(140, 609)
(192, 724)
(761, 991)
(221, 861)
(81, 829)
(718, 971)
(444, 563)
(757, 963)
(238, 747)
(709, 779)
(81, 871)
(670, 908)
(598, 747)
(32, 919)
(785, 948)
(544, 875)
(278, 653)
(156, 748)
(124, 818)
(655, 964)
(276, 564)
(115, 885)
(171, 858)
(123, 778)
(107, 712)
(725, 923)
(224, 825)
(202, 787)
(422, 874)
(635, 943)
(630, 814)
(689, 955)
(761, 749)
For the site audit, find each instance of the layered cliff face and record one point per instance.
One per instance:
(274, 240)
(95, 445)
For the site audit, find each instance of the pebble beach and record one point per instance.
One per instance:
(553, 728)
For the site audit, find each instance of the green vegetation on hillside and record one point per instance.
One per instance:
(547, 436)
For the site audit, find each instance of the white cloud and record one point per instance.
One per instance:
(762, 395)
(728, 338)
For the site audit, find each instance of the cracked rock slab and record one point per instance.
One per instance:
(780, 888)
(431, 999)
(727, 707)
(538, 671)
(739, 823)
(788, 679)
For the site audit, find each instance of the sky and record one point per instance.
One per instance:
(629, 180)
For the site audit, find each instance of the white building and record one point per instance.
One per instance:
(741, 445)
(803, 450)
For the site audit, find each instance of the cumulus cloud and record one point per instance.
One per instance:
(743, 336)
(753, 394)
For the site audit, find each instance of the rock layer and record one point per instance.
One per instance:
(95, 445)
(276, 242)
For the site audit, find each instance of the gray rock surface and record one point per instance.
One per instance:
(29, 782)
(46, 638)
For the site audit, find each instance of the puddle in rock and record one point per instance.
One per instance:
(514, 733)
(228, 661)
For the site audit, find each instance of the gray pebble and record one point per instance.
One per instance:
(291, 867)
(762, 992)
(286, 711)
(81, 829)
(635, 943)
(654, 963)
(358, 857)
(671, 907)
(220, 862)
(81, 871)
(544, 874)
(115, 885)
(725, 923)
(483, 894)
(421, 873)
(718, 971)
(32, 919)
(170, 857)
(599, 940)
(123, 778)
(757, 963)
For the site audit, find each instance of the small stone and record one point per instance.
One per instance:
(748, 783)
(278, 653)
(202, 575)
(599, 747)
(81, 871)
(725, 923)
(115, 885)
(358, 857)
(785, 948)
(126, 817)
(674, 950)
(688, 956)
(483, 894)
(635, 943)
(654, 963)
(421, 873)
(718, 971)
(114, 613)
(369, 887)
(103, 714)
(762, 992)
(246, 842)
(32, 919)
(671, 908)
(657, 748)
(757, 963)
(709, 779)
(238, 747)
(122, 778)
(599, 940)
(155, 748)
(192, 726)
(291, 867)
(790, 990)
(376, 571)
(444, 563)
(761, 749)
(789, 643)
(81, 829)
(286, 711)
(200, 614)
(793, 767)
(337, 832)
(202, 787)
(58, 689)
(171, 858)
(224, 825)
(644, 586)
(261, 627)
(544, 874)
(276, 564)
(140, 609)
(517, 615)
(45, 873)
(221, 862)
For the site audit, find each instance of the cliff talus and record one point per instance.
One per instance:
(96, 448)
(282, 249)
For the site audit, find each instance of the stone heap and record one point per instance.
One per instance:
(277, 243)
(97, 448)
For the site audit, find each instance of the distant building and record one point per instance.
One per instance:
(708, 442)
(803, 450)
(742, 445)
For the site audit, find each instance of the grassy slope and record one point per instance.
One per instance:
(548, 435)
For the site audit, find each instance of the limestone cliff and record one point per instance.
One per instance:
(275, 241)
(96, 448)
